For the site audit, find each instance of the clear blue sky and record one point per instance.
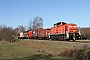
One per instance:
(19, 12)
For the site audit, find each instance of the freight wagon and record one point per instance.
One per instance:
(43, 33)
(22, 35)
(40, 33)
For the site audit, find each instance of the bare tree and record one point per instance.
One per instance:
(19, 29)
(6, 33)
(30, 25)
(85, 32)
(37, 23)
(16, 30)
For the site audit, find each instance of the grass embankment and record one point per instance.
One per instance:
(22, 51)
(44, 50)
(70, 50)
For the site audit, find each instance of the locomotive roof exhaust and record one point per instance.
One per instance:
(60, 23)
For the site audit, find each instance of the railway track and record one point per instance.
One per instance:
(82, 41)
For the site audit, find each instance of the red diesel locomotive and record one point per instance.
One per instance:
(60, 31)
(64, 31)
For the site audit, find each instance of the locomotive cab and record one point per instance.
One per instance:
(73, 31)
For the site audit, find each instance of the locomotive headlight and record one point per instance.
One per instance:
(33, 31)
(70, 26)
(74, 30)
(75, 26)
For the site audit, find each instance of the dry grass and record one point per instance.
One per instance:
(56, 48)
(13, 51)
(46, 47)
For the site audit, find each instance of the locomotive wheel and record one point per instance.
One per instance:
(52, 37)
(67, 39)
(59, 38)
(73, 39)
